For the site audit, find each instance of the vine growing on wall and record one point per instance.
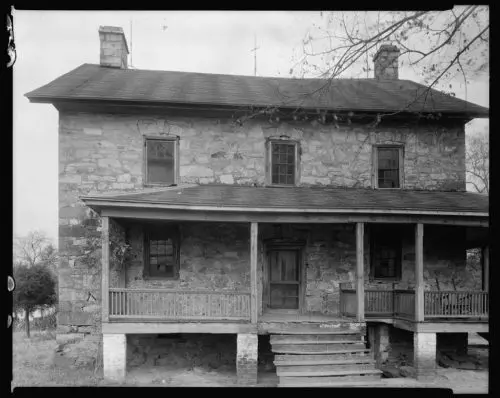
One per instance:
(119, 248)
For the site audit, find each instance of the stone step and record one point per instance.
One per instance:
(318, 348)
(327, 370)
(338, 355)
(300, 361)
(315, 338)
(329, 381)
(290, 328)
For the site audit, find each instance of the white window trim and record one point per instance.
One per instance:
(146, 138)
(375, 149)
(269, 175)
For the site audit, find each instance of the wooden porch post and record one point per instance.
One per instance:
(360, 282)
(419, 272)
(486, 267)
(253, 272)
(105, 269)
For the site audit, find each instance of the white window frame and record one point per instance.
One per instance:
(269, 160)
(375, 149)
(174, 139)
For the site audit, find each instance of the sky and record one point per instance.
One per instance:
(52, 43)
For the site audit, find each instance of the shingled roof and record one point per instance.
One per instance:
(300, 199)
(97, 83)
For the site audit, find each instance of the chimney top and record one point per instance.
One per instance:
(386, 62)
(114, 48)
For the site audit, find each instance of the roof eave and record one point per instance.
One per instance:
(95, 202)
(54, 100)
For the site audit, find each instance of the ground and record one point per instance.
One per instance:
(33, 365)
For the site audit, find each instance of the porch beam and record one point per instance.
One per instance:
(485, 254)
(360, 282)
(105, 268)
(253, 272)
(263, 217)
(419, 272)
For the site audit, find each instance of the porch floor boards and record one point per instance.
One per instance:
(276, 317)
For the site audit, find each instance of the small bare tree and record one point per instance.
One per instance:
(34, 248)
(477, 163)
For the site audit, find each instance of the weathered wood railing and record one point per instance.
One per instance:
(454, 304)
(171, 305)
(378, 302)
(401, 303)
(404, 304)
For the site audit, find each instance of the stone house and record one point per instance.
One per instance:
(308, 210)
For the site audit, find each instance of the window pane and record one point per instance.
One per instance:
(275, 266)
(162, 259)
(284, 296)
(283, 164)
(160, 161)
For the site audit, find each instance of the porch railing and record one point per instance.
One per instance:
(401, 303)
(453, 304)
(172, 305)
(404, 304)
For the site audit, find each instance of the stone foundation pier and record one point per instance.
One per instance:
(114, 355)
(246, 358)
(424, 355)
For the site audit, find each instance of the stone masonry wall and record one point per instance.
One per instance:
(103, 153)
(330, 259)
(213, 256)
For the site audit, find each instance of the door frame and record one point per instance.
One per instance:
(285, 245)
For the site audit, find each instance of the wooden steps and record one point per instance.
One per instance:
(323, 359)
(333, 381)
(320, 338)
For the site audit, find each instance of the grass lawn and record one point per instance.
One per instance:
(32, 363)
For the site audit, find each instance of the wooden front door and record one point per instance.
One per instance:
(284, 280)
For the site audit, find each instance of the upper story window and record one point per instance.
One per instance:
(388, 166)
(161, 252)
(161, 160)
(283, 162)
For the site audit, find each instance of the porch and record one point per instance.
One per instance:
(280, 272)
(439, 306)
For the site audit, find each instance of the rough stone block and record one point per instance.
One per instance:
(75, 318)
(114, 353)
(424, 355)
(68, 338)
(247, 358)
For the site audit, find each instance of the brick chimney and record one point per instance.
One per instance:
(114, 49)
(386, 62)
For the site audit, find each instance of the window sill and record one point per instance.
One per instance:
(281, 185)
(153, 185)
(159, 278)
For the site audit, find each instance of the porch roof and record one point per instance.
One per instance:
(232, 198)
